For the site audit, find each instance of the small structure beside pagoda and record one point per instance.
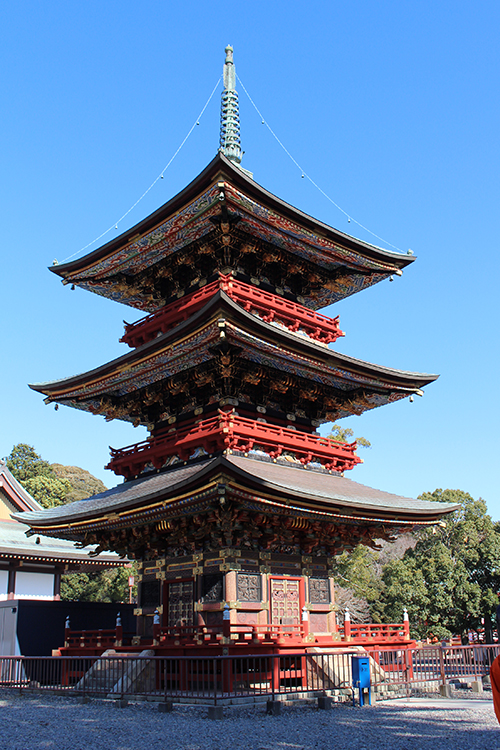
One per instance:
(234, 505)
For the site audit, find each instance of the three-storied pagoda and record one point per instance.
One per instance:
(234, 505)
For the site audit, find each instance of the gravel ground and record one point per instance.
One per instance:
(32, 722)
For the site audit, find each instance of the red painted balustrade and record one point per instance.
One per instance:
(229, 431)
(270, 307)
(384, 633)
(249, 635)
(93, 638)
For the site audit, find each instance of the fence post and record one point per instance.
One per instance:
(407, 671)
(441, 665)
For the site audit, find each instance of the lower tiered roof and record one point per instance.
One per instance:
(252, 501)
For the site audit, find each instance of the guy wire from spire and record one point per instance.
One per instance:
(160, 177)
(304, 174)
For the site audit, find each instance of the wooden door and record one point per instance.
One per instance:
(180, 603)
(285, 601)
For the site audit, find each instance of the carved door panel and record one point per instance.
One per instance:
(285, 601)
(180, 603)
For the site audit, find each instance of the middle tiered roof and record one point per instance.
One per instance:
(222, 352)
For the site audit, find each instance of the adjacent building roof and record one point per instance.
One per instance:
(14, 544)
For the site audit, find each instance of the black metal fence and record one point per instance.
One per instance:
(221, 678)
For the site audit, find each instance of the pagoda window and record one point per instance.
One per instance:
(180, 603)
(212, 587)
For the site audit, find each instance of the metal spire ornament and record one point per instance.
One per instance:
(230, 143)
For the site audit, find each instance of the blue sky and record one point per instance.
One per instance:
(391, 107)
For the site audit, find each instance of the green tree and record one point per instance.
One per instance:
(37, 476)
(448, 581)
(25, 463)
(357, 584)
(105, 586)
(51, 484)
(345, 435)
(81, 482)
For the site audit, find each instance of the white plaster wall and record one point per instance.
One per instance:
(4, 583)
(34, 585)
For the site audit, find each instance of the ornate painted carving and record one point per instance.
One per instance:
(249, 587)
(318, 622)
(319, 590)
(212, 588)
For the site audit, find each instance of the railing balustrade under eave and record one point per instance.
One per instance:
(270, 307)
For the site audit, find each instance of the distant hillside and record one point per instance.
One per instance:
(82, 483)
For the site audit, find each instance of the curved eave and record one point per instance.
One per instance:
(221, 304)
(14, 545)
(16, 492)
(319, 491)
(283, 487)
(221, 168)
(83, 560)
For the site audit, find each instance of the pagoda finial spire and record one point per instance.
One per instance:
(230, 143)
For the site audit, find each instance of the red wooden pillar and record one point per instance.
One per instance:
(57, 584)
(11, 585)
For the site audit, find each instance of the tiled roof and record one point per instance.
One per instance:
(123, 495)
(338, 490)
(15, 544)
(304, 486)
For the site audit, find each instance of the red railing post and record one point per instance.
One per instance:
(305, 623)
(347, 625)
(406, 625)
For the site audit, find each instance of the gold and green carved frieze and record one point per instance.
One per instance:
(244, 526)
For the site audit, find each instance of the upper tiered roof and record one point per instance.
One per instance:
(224, 221)
(231, 373)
